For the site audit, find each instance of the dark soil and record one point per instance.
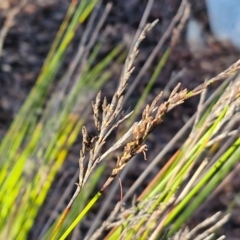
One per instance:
(30, 38)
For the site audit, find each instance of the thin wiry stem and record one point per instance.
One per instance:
(157, 49)
(199, 109)
(112, 116)
(9, 22)
(208, 226)
(192, 181)
(142, 22)
(173, 141)
(107, 201)
(212, 219)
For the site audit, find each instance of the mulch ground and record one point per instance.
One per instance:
(30, 38)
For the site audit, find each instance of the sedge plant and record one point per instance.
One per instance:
(38, 141)
(166, 200)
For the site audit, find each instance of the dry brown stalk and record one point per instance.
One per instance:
(151, 118)
(181, 15)
(175, 28)
(153, 115)
(9, 22)
(112, 116)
